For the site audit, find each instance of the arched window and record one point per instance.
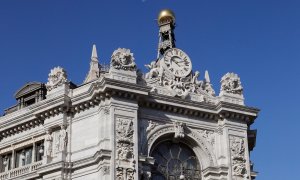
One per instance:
(175, 161)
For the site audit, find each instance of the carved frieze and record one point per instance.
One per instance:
(124, 149)
(237, 149)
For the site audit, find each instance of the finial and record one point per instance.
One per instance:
(94, 52)
(206, 77)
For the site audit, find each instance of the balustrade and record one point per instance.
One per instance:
(20, 171)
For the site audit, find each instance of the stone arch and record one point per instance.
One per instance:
(202, 149)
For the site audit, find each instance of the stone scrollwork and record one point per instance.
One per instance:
(231, 83)
(56, 78)
(237, 147)
(123, 59)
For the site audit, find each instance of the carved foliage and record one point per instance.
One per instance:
(237, 148)
(123, 59)
(231, 83)
(56, 78)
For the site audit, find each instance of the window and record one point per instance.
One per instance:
(39, 151)
(23, 157)
(175, 161)
(6, 162)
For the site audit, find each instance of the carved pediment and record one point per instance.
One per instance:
(28, 88)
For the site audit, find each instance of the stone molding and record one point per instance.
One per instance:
(163, 130)
(105, 87)
(21, 144)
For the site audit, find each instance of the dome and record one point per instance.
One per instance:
(166, 16)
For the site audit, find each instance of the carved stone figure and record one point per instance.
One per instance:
(48, 143)
(62, 138)
(195, 83)
(154, 70)
(130, 174)
(120, 174)
(123, 59)
(179, 129)
(231, 83)
(151, 126)
(56, 78)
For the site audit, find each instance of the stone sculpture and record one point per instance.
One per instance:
(56, 78)
(123, 59)
(231, 83)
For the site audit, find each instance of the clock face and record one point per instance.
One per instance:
(177, 62)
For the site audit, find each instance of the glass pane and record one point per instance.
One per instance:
(174, 161)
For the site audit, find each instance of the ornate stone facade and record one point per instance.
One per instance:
(166, 123)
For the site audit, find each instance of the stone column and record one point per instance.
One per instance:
(13, 163)
(33, 152)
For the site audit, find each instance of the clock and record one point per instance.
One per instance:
(177, 62)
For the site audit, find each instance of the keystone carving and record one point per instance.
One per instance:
(179, 129)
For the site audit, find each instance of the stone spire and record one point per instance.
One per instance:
(94, 71)
(206, 77)
(207, 86)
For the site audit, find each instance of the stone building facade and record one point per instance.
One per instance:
(124, 124)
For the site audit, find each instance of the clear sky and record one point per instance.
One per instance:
(258, 39)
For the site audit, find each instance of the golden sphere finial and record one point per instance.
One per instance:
(166, 16)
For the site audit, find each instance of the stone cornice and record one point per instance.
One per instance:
(93, 93)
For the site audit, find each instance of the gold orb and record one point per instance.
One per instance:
(165, 16)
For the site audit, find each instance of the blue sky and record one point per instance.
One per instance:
(259, 40)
